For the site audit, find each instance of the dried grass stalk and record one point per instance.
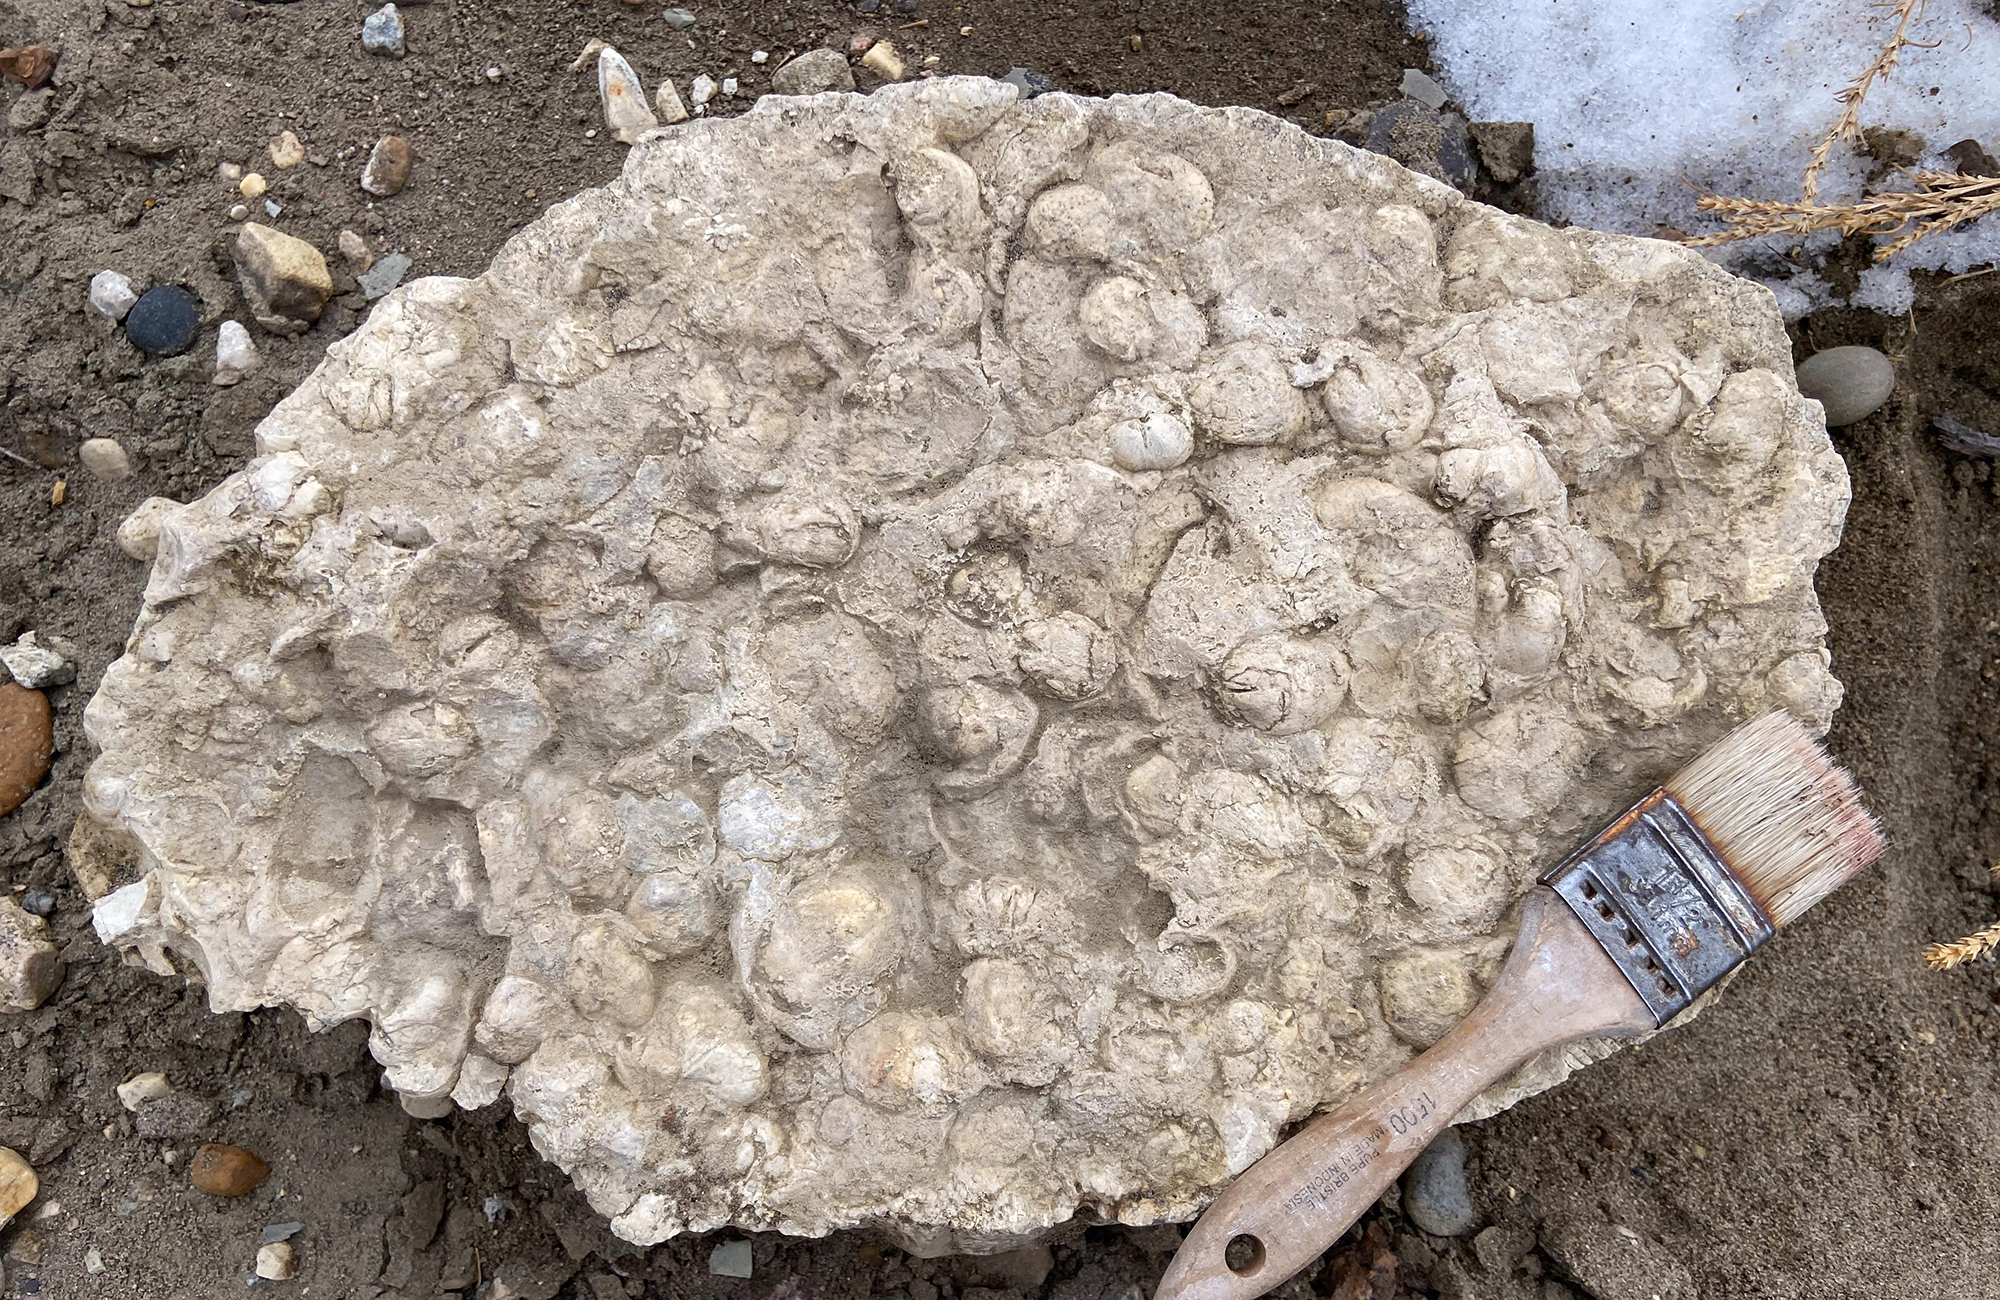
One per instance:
(1847, 127)
(1940, 201)
(1944, 956)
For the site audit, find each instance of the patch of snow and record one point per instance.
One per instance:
(1639, 105)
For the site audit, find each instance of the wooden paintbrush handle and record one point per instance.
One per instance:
(1558, 986)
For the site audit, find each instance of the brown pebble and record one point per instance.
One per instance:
(28, 64)
(27, 741)
(223, 1170)
(388, 169)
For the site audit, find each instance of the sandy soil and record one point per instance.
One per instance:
(1821, 1133)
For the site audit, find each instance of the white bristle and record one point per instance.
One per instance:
(1787, 819)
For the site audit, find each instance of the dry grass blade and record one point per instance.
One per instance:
(1940, 201)
(1847, 127)
(1944, 956)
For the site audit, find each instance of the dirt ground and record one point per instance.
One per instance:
(1824, 1132)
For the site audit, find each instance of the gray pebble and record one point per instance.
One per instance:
(1421, 88)
(1425, 140)
(38, 902)
(104, 459)
(282, 1231)
(1435, 1196)
(383, 276)
(382, 32)
(37, 666)
(1029, 82)
(678, 19)
(1851, 383)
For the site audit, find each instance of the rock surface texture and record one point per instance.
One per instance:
(952, 662)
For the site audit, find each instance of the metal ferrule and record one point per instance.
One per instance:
(1664, 904)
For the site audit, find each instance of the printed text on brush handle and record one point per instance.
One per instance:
(1350, 1159)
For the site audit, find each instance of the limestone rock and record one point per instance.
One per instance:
(139, 535)
(112, 295)
(284, 279)
(235, 354)
(976, 673)
(30, 968)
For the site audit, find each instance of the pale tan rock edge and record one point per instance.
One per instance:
(949, 662)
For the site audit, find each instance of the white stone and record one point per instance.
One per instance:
(760, 56)
(112, 295)
(879, 799)
(701, 90)
(139, 535)
(277, 1261)
(37, 666)
(667, 103)
(103, 459)
(235, 353)
(623, 97)
(729, 86)
(142, 1088)
(882, 60)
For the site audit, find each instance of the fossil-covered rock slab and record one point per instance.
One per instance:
(950, 662)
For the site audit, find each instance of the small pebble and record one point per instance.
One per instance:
(30, 966)
(235, 354)
(29, 65)
(229, 172)
(277, 1261)
(730, 1258)
(283, 279)
(1852, 383)
(1029, 82)
(813, 72)
(164, 321)
(907, 8)
(271, 207)
(1135, 41)
(493, 73)
(223, 1170)
(678, 19)
(760, 56)
(142, 1088)
(37, 666)
(93, 1261)
(382, 32)
(383, 276)
(701, 90)
(882, 60)
(282, 1231)
(729, 87)
(112, 295)
(237, 212)
(104, 459)
(38, 902)
(253, 186)
(1421, 88)
(58, 492)
(18, 1184)
(139, 535)
(626, 114)
(867, 6)
(27, 743)
(1435, 1195)
(1506, 149)
(667, 105)
(388, 167)
(286, 151)
(355, 250)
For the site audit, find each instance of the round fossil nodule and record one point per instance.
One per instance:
(942, 661)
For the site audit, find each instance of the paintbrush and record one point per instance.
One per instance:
(1615, 941)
